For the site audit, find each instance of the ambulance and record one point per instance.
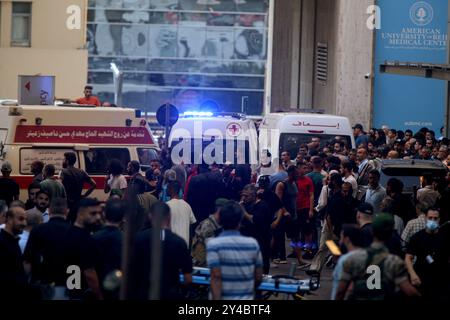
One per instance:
(95, 135)
(221, 138)
(288, 131)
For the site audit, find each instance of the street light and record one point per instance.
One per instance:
(118, 81)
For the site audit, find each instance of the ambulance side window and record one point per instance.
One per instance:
(97, 160)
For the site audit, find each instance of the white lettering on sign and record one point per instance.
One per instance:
(73, 22)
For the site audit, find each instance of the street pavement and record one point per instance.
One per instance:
(323, 293)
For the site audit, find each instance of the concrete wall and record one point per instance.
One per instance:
(326, 32)
(286, 55)
(55, 50)
(354, 59)
(308, 37)
(68, 66)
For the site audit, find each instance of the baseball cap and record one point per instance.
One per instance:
(366, 208)
(358, 126)
(6, 166)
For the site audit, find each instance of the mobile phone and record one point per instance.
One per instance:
(335, 251)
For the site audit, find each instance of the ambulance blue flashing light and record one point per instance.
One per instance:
(198, 114)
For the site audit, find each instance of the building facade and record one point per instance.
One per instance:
(196, 54)
(44, 37)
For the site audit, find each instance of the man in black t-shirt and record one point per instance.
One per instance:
(45, 248)
(108, 241)
(73, 180)
(80, 250)
(257, 222)
(175, 259)
(428, 246)
(9, 189)
(13, 282)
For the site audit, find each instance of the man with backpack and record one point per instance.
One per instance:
(375, 273)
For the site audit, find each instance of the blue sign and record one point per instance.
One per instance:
(411, 31)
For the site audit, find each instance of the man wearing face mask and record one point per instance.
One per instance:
(428, 273)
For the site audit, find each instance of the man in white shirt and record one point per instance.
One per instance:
(376, 193)
(347, 172)
(42, 204)
(180, 211)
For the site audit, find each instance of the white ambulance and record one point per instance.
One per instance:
(96, 135)
(288, 131)
(205, 137)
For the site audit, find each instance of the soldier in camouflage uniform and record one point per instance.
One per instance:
(374, 272)
(208, 228)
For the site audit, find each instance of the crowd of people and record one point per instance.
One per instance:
(229, 219)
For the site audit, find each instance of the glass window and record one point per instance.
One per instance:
(21, 24)
(46, 155)
(97, 160)
(195, 50)
(292, 141)
(146, 156)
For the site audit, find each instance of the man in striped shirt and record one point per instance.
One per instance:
(235, 260)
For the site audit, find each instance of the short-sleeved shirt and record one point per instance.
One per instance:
(8, 190)
(117, 182)
(393, 269)
(317, 179)
(337, 272)
(45, 251)
(54, 188)
(237, 257)
(73, 180)
(80, 250)
(305, 187)
(413, 227)
(181, 218)
(92, 101)
(428, 248)
(175, 259)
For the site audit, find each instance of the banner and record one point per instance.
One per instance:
(411, 31)
(98, 135)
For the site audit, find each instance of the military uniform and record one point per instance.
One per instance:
(208, 228)
(392, 268)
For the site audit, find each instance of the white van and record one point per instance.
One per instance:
(288, 131)
(204, 137)
(96, 135)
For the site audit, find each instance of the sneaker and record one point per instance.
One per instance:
(282, 262)
(277, 261)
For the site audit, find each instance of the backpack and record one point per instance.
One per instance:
(361, 290)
